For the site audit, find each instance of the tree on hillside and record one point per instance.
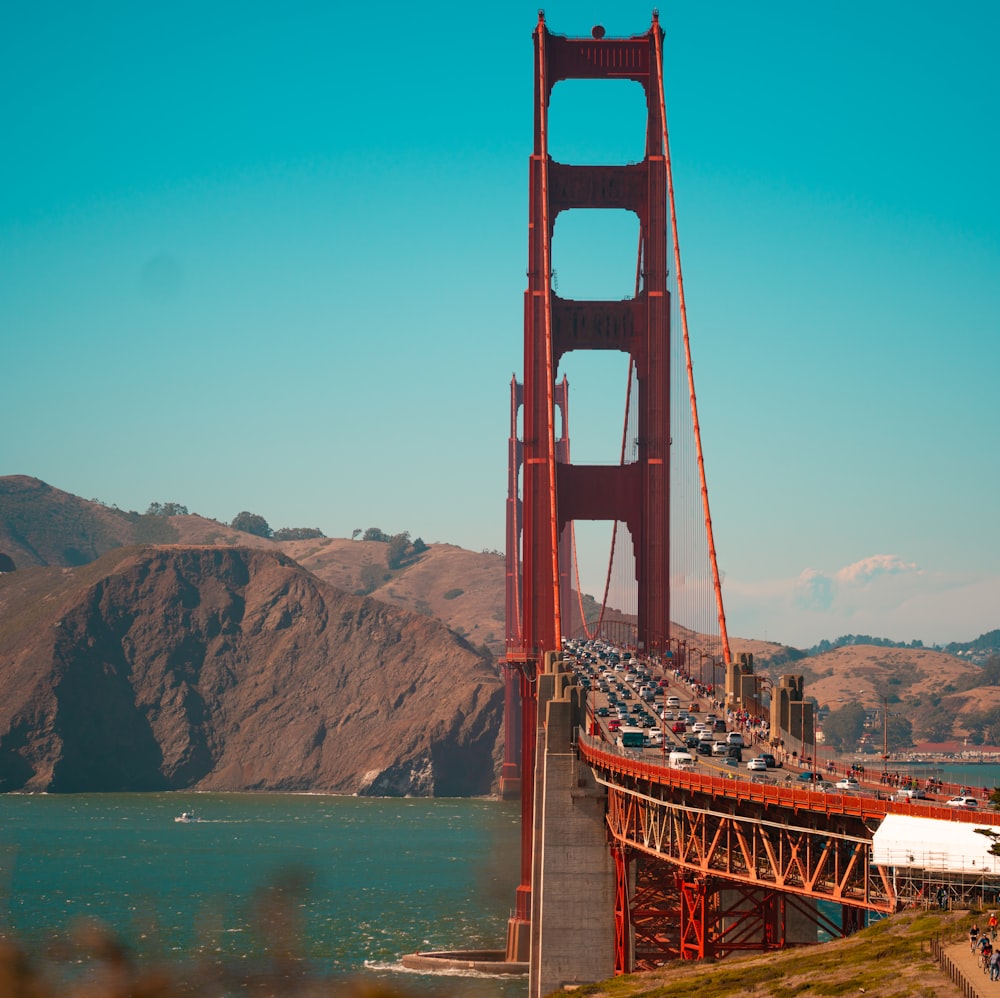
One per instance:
(419, 547)
(251, 523)
(844, 727)
(899, 731)
(374, 534)
(941, 724)
(355, 533)
(991, 671)
(166, 509)
(297, 533)
(372, 576)
(399, 545)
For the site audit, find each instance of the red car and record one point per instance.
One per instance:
(614, 724)
(678, 727)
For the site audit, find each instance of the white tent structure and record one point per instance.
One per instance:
(931, 844)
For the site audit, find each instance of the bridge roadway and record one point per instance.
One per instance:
(750, 855)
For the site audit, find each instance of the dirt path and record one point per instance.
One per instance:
(966, 962)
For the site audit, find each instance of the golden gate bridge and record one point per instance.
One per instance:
(625, 861)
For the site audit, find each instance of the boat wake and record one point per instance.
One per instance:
(395, 967)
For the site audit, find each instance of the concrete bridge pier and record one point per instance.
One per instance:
(573, 876)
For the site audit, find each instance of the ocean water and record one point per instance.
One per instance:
(347, 884)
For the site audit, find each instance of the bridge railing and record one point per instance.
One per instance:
(637, 765)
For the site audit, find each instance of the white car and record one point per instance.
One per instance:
(847, 783)
(757, 766)
(966, 802)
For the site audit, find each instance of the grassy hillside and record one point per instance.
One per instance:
(890, 959)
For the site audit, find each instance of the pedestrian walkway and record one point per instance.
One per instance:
(965, 961)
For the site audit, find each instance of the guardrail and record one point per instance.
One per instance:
(600, 754)
(953, 971)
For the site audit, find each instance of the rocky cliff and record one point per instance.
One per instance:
(159, 668)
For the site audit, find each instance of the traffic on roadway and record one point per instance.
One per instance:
(648, 707)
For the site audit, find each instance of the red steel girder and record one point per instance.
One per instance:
(694, 918)
(623, 911)
(827, 863)
(656, 913)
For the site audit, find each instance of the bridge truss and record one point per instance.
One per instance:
(706, 866)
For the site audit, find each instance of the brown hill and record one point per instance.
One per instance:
(40, 525)
(843, 674)
(459, 587)
(465, 590)
(233, 669)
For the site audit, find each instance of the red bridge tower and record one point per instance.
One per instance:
(555, 492)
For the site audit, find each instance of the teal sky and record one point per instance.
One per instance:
(272, 258)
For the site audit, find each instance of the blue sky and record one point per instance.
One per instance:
(273, 259)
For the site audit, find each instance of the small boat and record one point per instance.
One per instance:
(186, 817)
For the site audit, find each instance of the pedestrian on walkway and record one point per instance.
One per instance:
(995, 965)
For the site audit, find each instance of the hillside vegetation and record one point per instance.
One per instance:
(890, 959)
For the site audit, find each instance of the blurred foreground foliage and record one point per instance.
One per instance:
(92, 961)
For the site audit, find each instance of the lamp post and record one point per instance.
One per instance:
(884, 700)
(812, 713)
(761, 684)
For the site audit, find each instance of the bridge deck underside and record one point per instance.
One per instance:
(813, 845)
(825, 863)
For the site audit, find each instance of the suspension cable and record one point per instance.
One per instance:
(716, 582)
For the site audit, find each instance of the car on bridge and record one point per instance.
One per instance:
(822, 786)
(812, 777)
(757, 766)
(969, 803)
(678, 727)
(847, 783)
(910, 793)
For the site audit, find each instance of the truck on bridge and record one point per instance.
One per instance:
(631, 738)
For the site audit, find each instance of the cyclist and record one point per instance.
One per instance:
(973, 937)
(991, 925)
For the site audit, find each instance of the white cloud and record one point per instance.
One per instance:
(882, 595)
(871, 568)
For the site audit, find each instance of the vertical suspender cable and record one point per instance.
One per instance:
(687, 356)
(549, 372)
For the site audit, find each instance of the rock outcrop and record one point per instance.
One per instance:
(158, 668)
